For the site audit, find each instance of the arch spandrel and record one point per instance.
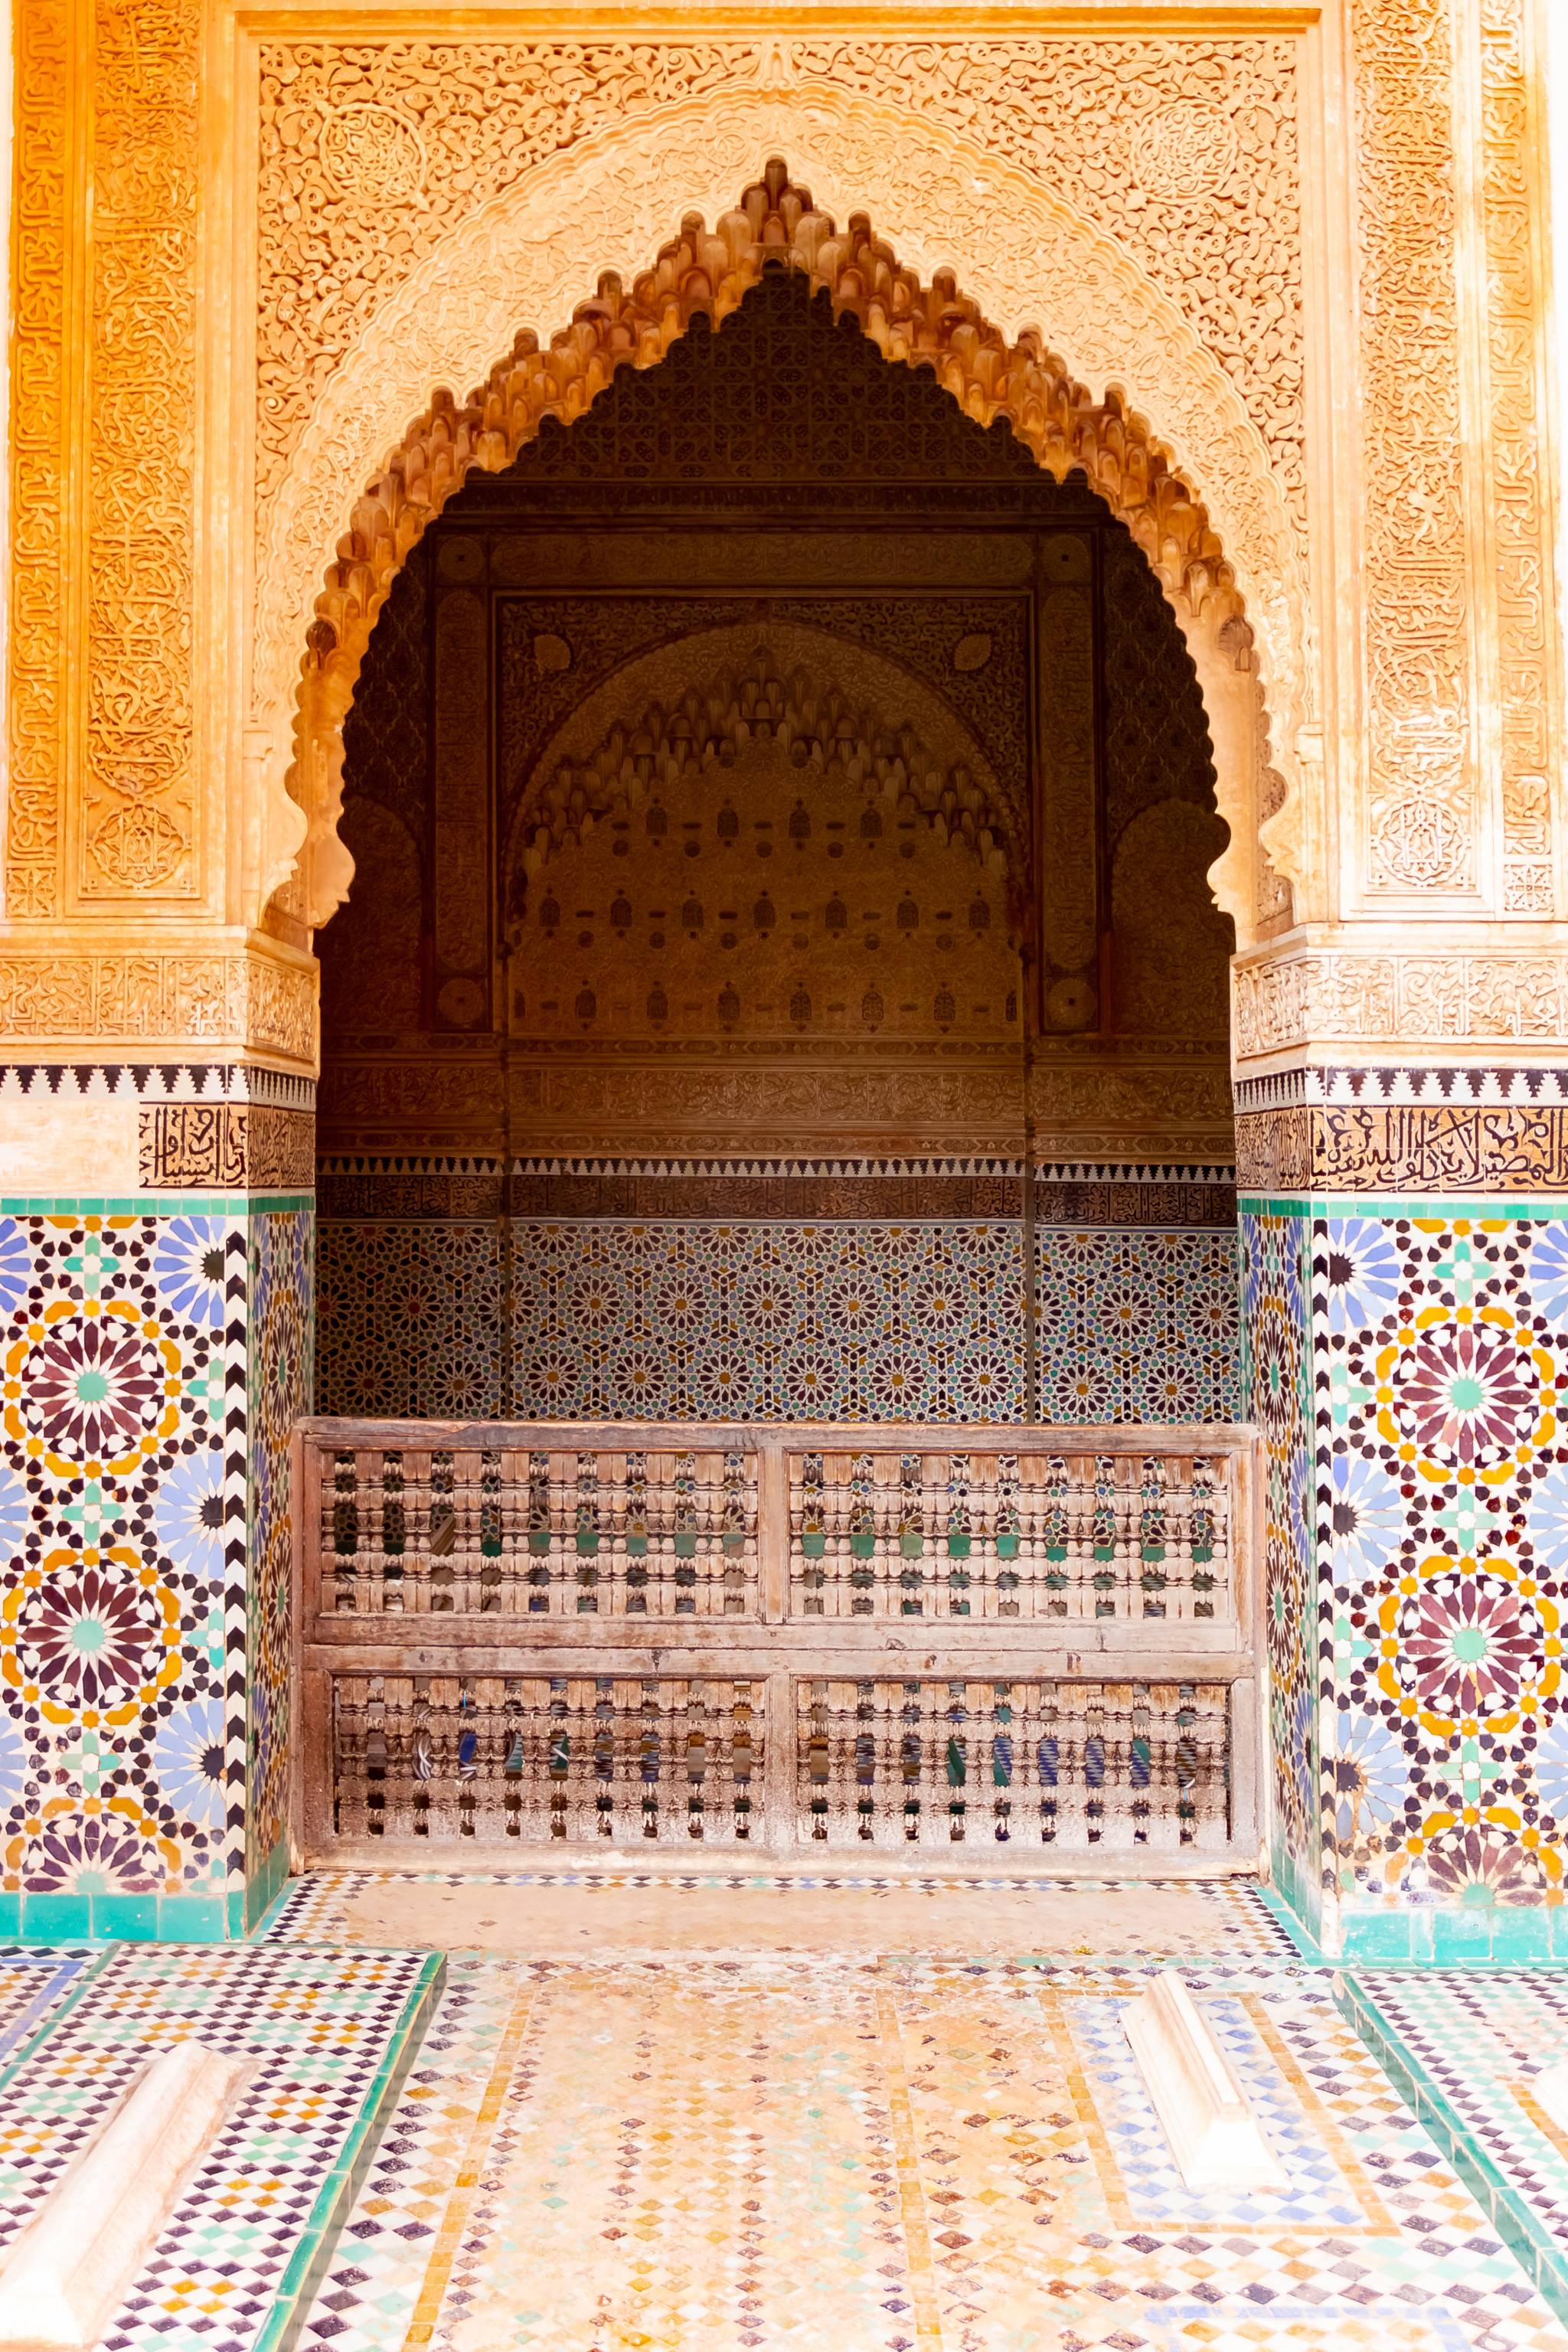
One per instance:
(608, 204)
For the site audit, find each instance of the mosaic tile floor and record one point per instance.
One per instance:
(619, 2147)
(738, 2112)
(326, 2036)
(33, 1985)
(1469, 2050)
(560, 1912)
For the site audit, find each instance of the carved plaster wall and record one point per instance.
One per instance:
(441, 192)
(837, 860)
(1202, 548)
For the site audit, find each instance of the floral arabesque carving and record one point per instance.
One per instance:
(1184, 149)
(916, 322)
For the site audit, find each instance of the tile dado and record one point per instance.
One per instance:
(1408, 1371)
(151, 1360)
(769, 1318)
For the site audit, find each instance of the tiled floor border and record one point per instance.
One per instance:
(339, 2189)
(50, 2007)
(318, 2242)
(1540, 2254)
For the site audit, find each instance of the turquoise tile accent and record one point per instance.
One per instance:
(57, 1918)
(193, 1919)
(125, 1918)
(1521, 1935)
(1524, 1207)
(156, 1205)
(10, 1918)
(1372, 1935)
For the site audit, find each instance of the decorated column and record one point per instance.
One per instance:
(155, 1345)
(1404, 1244)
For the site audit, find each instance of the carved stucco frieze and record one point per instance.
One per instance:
(256, 1145)
(137, 830)
(156, 1000)
(1529, 712)
(42, 226)
(1421, 781)
(102, 804)
(650, 1104)
(388, 161)
(1395, 997)
(1407, 1148)
(1186, 150)
(1462, 685)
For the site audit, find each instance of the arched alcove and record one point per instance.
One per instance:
(704, 274)
(802, 776)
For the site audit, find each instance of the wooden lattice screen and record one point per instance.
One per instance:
(779, 1640)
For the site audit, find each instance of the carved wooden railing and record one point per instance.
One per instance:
(1000, 1643)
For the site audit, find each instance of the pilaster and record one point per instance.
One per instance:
(1403, 1185)
(157, 1099)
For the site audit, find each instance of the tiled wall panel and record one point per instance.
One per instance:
(1407, 1373)
(776, 1319)
(150, 1365)
(279, 1362)
(1277, 1394)
(1441, 1353)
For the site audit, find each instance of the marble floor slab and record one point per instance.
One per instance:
(544, 1913)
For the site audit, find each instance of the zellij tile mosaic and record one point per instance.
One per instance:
(151, 1366)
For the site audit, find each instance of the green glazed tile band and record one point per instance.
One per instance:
(1542, 2256)
(297, 2288)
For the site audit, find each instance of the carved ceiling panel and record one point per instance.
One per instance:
(836, 711)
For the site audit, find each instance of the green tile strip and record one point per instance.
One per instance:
(154, 1204)
(1462, 1935)
(1540, 2255)
(307, 2264)
(264, 1886)
(1440, 1208)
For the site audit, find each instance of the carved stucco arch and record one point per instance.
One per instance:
(830, 702)
(1231, 562)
